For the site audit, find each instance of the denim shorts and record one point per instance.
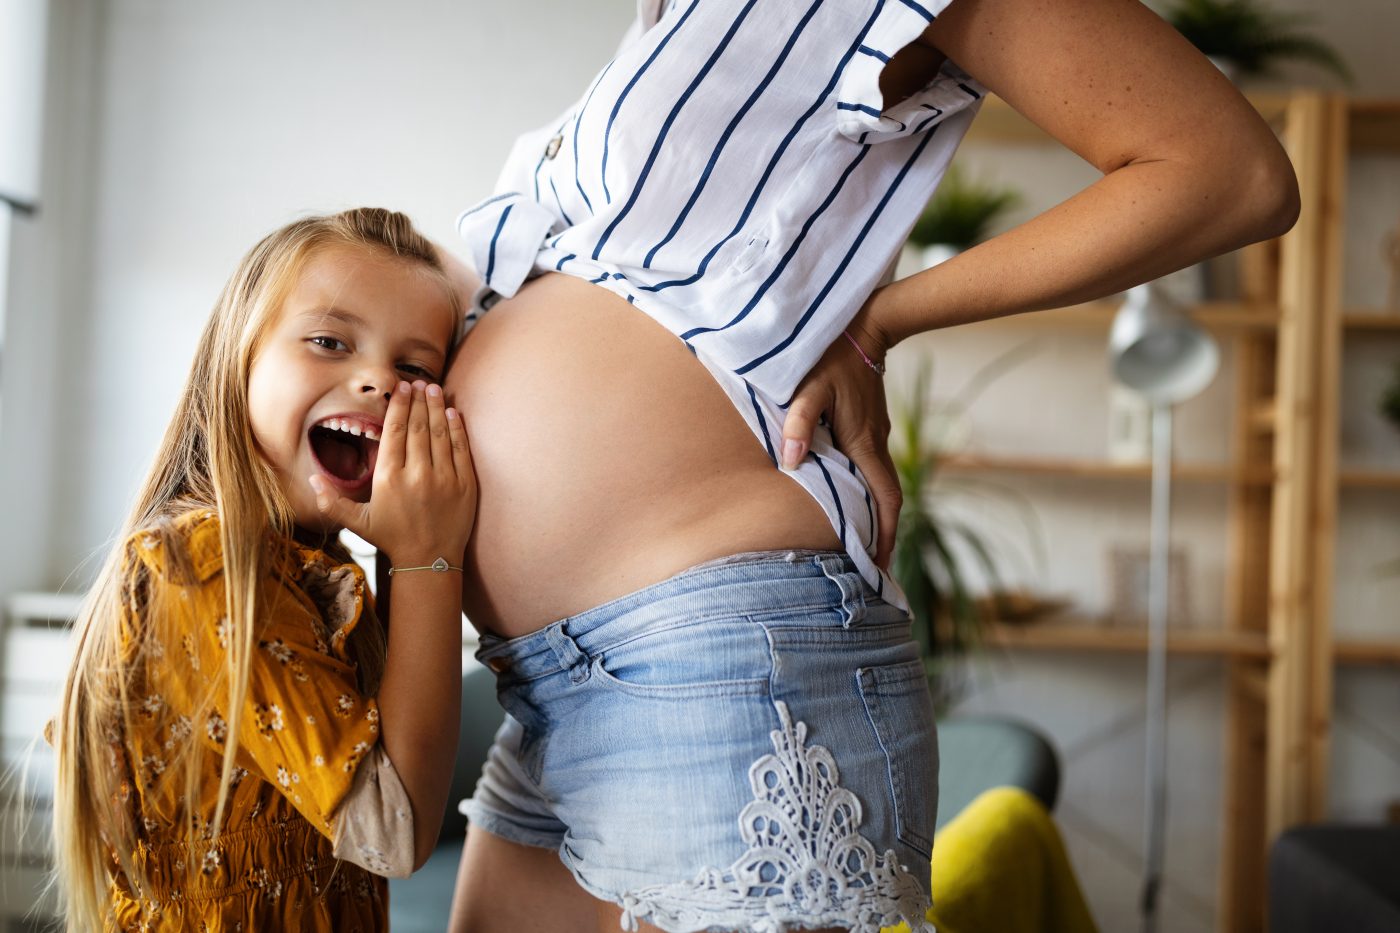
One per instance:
(747, 745)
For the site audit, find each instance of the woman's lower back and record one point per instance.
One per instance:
(607, 457)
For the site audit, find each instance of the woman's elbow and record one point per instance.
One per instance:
(1269, 193)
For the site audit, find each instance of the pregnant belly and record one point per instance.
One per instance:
(607, 458)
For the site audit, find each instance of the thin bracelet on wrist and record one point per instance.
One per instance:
(438, 566)
(878, 367)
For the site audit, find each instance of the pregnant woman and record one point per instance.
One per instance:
(717, 716)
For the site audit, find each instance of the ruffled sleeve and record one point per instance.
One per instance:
(859, 107)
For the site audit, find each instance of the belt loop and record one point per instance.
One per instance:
(851, 585)
(570, 657)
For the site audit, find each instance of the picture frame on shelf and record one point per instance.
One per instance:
(1128, 568)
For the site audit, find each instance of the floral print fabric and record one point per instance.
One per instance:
(305, 728)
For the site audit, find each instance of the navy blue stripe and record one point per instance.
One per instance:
(578, 118)
(869, 508)
(845, 261)
(601, 278)
(491, 254)
(836, 498)
(729, 131)
(792, 251)
(932, 118)
(879, 584)
(863, 108)
(975, 95)
(562, 213)
(776, 158)
(762, 422)
(874, 53)
(559, 266)
(670, 121)
(922, 11)
(617, 105)
(487, 203)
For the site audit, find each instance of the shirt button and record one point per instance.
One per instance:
(552, 149)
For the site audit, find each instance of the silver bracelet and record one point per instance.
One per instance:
(438, 566)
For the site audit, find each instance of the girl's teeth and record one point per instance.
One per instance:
(355, 430)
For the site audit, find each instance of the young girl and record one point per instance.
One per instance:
(236, 747)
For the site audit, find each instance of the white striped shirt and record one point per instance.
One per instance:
(731, 174)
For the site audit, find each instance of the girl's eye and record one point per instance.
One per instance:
(328, 343)
(422, 372)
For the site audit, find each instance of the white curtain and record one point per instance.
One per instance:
(23, 28)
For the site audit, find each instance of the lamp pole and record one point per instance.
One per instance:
(1156, 350)
(1158, 610)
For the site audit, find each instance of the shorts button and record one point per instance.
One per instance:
(499, 665)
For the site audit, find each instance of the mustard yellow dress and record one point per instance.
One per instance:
(306, 728)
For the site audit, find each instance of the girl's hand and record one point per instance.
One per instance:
(852, 395)
(422, 504)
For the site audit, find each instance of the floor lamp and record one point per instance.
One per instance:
(1155, 349)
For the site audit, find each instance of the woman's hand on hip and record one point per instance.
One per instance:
(422, 503)
(852, 395)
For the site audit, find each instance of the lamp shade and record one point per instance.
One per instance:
(1156, 349)
(23, 38)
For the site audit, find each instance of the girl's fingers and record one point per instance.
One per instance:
(438, 441)
(338, 509)
(395, 434)
(461, 447)
(417, 449)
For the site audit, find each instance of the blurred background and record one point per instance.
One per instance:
(170, 136)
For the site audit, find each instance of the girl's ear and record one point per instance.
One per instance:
(382, 583)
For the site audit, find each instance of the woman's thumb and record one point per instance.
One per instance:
(341, 511)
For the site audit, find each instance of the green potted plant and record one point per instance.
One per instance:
(934, 551)
(959, 215)
(1390, 399)
(1246, 37)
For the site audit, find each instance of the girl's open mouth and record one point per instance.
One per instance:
(346, 449)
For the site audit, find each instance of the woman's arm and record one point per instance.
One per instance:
(1190, 169)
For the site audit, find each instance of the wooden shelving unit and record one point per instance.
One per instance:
(1286, 334)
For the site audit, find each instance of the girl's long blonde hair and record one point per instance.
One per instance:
(207, 460)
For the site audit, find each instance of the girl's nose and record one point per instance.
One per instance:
(372, 389)
(378, 380)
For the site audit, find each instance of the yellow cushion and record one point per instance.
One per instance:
(1000, 866)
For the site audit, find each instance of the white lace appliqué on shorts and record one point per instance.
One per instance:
(807, 864)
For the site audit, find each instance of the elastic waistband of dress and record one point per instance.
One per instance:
(732, 585)
(274, 853)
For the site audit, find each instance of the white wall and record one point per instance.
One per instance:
(180, 132)
(214, 123)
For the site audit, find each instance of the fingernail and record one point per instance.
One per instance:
(451, 414)
(434, 390)
(419, 385)
(793, 451)
(405, 388)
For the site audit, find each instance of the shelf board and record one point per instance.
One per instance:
(1095, 635)
(1218, 316)
(1367, 651)
(1069, 633)
(1373, 125)
(1364, 319)
(1102, 469)
(1370, 478)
